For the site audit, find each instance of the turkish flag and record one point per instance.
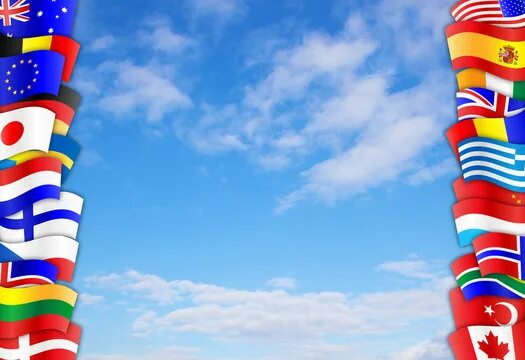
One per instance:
(486, 310)
(489, 342)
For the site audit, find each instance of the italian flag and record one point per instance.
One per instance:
(472, 77)
(489, 342)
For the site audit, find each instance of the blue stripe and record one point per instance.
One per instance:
(466, 237)
(6, 255)
(38, 193)
(482, 287)
(488, 150)
(500, 253)
(34, 268)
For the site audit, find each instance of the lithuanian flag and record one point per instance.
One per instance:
(488, 48)
(60, 44)
(36, 308)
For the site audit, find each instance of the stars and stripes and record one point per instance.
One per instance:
(503, 13)
(483, 103)
(17, 11)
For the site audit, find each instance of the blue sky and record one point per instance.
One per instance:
(264, 180)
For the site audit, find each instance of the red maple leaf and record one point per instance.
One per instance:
(492, 347)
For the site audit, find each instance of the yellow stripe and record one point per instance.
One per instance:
(470, 78)
(60, 127)
(33, 154)
(36, 43)
(484, 47)
(491, 128)
(36, 293)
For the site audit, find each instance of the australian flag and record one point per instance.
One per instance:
(512, 8)
(30, 18)
(30, 74)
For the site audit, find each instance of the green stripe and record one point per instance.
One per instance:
(26, 311)
(468, 276)
(519, 90)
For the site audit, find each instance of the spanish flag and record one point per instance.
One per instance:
(510, 129)
(489, 48)
(60, 44)
(475, 78)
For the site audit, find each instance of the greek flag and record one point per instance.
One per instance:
(494, 161)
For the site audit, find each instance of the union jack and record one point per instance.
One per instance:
(483, 103)
(15, 11)
(27, 273)
(498, 253)
(502, 13)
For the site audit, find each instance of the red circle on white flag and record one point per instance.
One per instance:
(12, 133)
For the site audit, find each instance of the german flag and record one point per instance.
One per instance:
(61, 44)
(64, 105)
(489, 48)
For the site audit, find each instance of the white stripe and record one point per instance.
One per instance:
(489, 224)
(472, 144)
(500, 85)
(485, 154)
(467, 7)
(477, 102)
(67, 201)
(482, 13)
(17, 188)
(468, 165)
(26, 350)
(491, 175)
(467, 271)
(24, 346)
(46, 248)
(54, 344)
(62, 227)
(517, 252)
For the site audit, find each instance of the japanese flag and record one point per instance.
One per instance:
(489, 342)
(25, 129)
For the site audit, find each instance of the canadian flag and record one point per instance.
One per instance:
(489, 342)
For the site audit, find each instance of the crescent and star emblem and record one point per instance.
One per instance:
(512, 309)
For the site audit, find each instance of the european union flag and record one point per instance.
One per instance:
(30, 74)
(29, 18)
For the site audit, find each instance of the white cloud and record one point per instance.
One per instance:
(223, 10)
(283, 283)
(431, 172)
(89, 299)
(102, 43)
(168, 353)
(433, 349)
(159, 36)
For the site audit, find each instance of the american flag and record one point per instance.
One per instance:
(475, 103)
(503, 13)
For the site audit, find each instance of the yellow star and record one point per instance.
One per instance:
(9, 73)
(29, 86)
(513, 196)
(14, 92)
(13, 66)
(29, 61)
(9, 88)
(7, 81)
(21, 61)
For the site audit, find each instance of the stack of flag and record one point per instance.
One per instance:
(487, 49)
(39, 219)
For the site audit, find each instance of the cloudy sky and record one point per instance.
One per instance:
(264, 180)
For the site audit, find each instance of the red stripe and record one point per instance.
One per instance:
(69, 48)
(459, 3)
(15, 173)
(463, 263)
(38, 323)
(58, 354)
(62, 111)
(71, 333)
(515, 214)
(486, 190)
(485, 65)
(460, 131)
(497, 32)
(461, 345)
(475, 111)
(65, 268)
(500, 266)
(484, 241)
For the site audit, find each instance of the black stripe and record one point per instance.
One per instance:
(10, 46)
(66, 95)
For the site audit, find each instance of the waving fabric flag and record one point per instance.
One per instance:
(489, 342)
(485, 310)
(24, 184)
(510, 129)
(476, 78)
(26, 18)
(22, 309)
(60, 251)
(487, 47)
(475, 217)
(484, 103)
(502, 13)
(27, 273)
(43, 345)
(499, 253)
(472, 284)
(485, 190)
(44, 218)
(495, 161)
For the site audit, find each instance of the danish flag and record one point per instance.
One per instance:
(15, 11)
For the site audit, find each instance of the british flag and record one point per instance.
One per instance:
(499, 253)
(16, 11)
(483, 103)
(27, 273)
